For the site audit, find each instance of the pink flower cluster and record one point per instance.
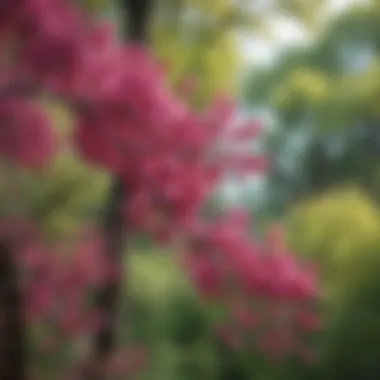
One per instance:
(127, 119)
(57, 283)
(269, 296)
(169, 157)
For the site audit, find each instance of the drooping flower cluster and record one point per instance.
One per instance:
(269, 295)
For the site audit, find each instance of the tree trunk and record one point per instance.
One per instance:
(13, 364)
(135, 18)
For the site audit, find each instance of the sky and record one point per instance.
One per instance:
(287, 33)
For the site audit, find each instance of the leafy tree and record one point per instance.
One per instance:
(324, 96)
(341, 229)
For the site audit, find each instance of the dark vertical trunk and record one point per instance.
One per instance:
(105, 341)
(13, 364)
(106, 299)
(136, 19)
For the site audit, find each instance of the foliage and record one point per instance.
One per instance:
(324, 100)
(324, 141)
(341, 230)
(345, 219)
(176, 324)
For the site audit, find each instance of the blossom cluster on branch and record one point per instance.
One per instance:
(170, 159)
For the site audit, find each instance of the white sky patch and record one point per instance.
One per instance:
(287, 33)
(263, 51)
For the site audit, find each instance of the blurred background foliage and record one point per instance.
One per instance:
(323, 136)
(324, 139)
